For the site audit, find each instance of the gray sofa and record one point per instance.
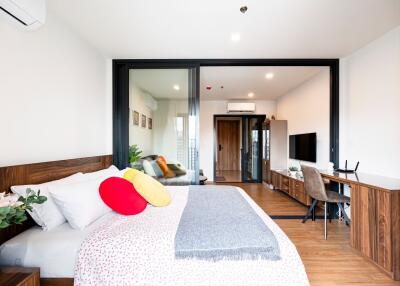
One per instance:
(183, 180)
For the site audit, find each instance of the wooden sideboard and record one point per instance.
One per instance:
(375, 213)
(375, 218)
(294, 187)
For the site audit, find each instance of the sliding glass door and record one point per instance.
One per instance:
(160, 118)
(252, 148)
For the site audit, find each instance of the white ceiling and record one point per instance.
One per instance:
(160, 82)
(202, 29)
(238, 82)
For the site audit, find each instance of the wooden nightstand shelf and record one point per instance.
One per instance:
(19, 276)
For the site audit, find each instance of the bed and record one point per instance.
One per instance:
(154, 262)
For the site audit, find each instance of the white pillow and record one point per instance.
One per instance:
(80, 203)
(148, 168)
(47, 215)
(105, 173)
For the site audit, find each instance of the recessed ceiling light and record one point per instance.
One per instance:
(177, 87)
(235, 37)
(269, 75)
(250, 94)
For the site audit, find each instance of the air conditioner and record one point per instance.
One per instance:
(29, 14)
(241, 107)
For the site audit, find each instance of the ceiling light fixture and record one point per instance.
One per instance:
(250, 94)
(235, 37)
(269, 75)
(177, 87)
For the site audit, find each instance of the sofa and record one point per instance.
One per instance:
(182, 178)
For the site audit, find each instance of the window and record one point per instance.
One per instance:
(181, 139)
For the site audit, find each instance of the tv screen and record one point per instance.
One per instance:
(303, 147)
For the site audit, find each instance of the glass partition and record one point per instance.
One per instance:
(252, 148)
(163, 123)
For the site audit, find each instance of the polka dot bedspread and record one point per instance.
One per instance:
(139, 250)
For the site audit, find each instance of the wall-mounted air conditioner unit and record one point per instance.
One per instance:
(241, 107)
(28, 14)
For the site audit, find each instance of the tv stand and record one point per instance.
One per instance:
(292, 186)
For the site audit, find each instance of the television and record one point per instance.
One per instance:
(303, 147)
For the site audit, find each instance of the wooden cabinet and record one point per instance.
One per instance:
(292, 186)
(285, 184)
(375, 231)
(298, 192)
(19, 276)
(275, 147)
(275, 180)
(375, 218)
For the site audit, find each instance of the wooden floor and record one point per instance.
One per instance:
(229, 176)
(327, 262)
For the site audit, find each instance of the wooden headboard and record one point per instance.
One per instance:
(43, 172)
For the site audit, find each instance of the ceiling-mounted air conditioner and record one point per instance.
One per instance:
(28, 14)
(241, 107)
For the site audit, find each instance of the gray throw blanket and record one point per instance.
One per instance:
(218, 223)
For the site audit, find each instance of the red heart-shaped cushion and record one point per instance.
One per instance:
(121, 196)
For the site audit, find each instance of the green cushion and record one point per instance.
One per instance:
(178, 169)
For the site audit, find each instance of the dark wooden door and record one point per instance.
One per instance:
(228, 148)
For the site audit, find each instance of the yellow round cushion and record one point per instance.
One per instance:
(150, 189)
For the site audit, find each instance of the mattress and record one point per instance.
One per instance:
(37, 248)
(53, 251)
(57, 252)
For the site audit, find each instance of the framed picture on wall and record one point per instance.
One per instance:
(143, 121)
(150, 123)
(135, 116)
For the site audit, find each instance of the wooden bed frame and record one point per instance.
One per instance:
(43, 172)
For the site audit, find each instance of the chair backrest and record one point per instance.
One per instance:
(314, 183)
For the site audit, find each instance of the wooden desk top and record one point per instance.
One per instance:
(368, 180)
(286, 173)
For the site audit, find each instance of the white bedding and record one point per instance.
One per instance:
(151, 259)
(54, 251)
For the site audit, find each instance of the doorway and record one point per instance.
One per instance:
(228, 150)
(252, 149)
(238, 148)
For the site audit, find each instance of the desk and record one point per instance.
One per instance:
(375, 218)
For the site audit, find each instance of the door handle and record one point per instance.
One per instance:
(219, 147)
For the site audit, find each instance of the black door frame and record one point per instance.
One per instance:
(260, 120)
(121, 93)
(243, 160)
(121, 103)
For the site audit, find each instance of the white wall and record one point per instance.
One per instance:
(208, 108)
(369, 109)
(141, 136)
(53, 96)
(306, 108)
